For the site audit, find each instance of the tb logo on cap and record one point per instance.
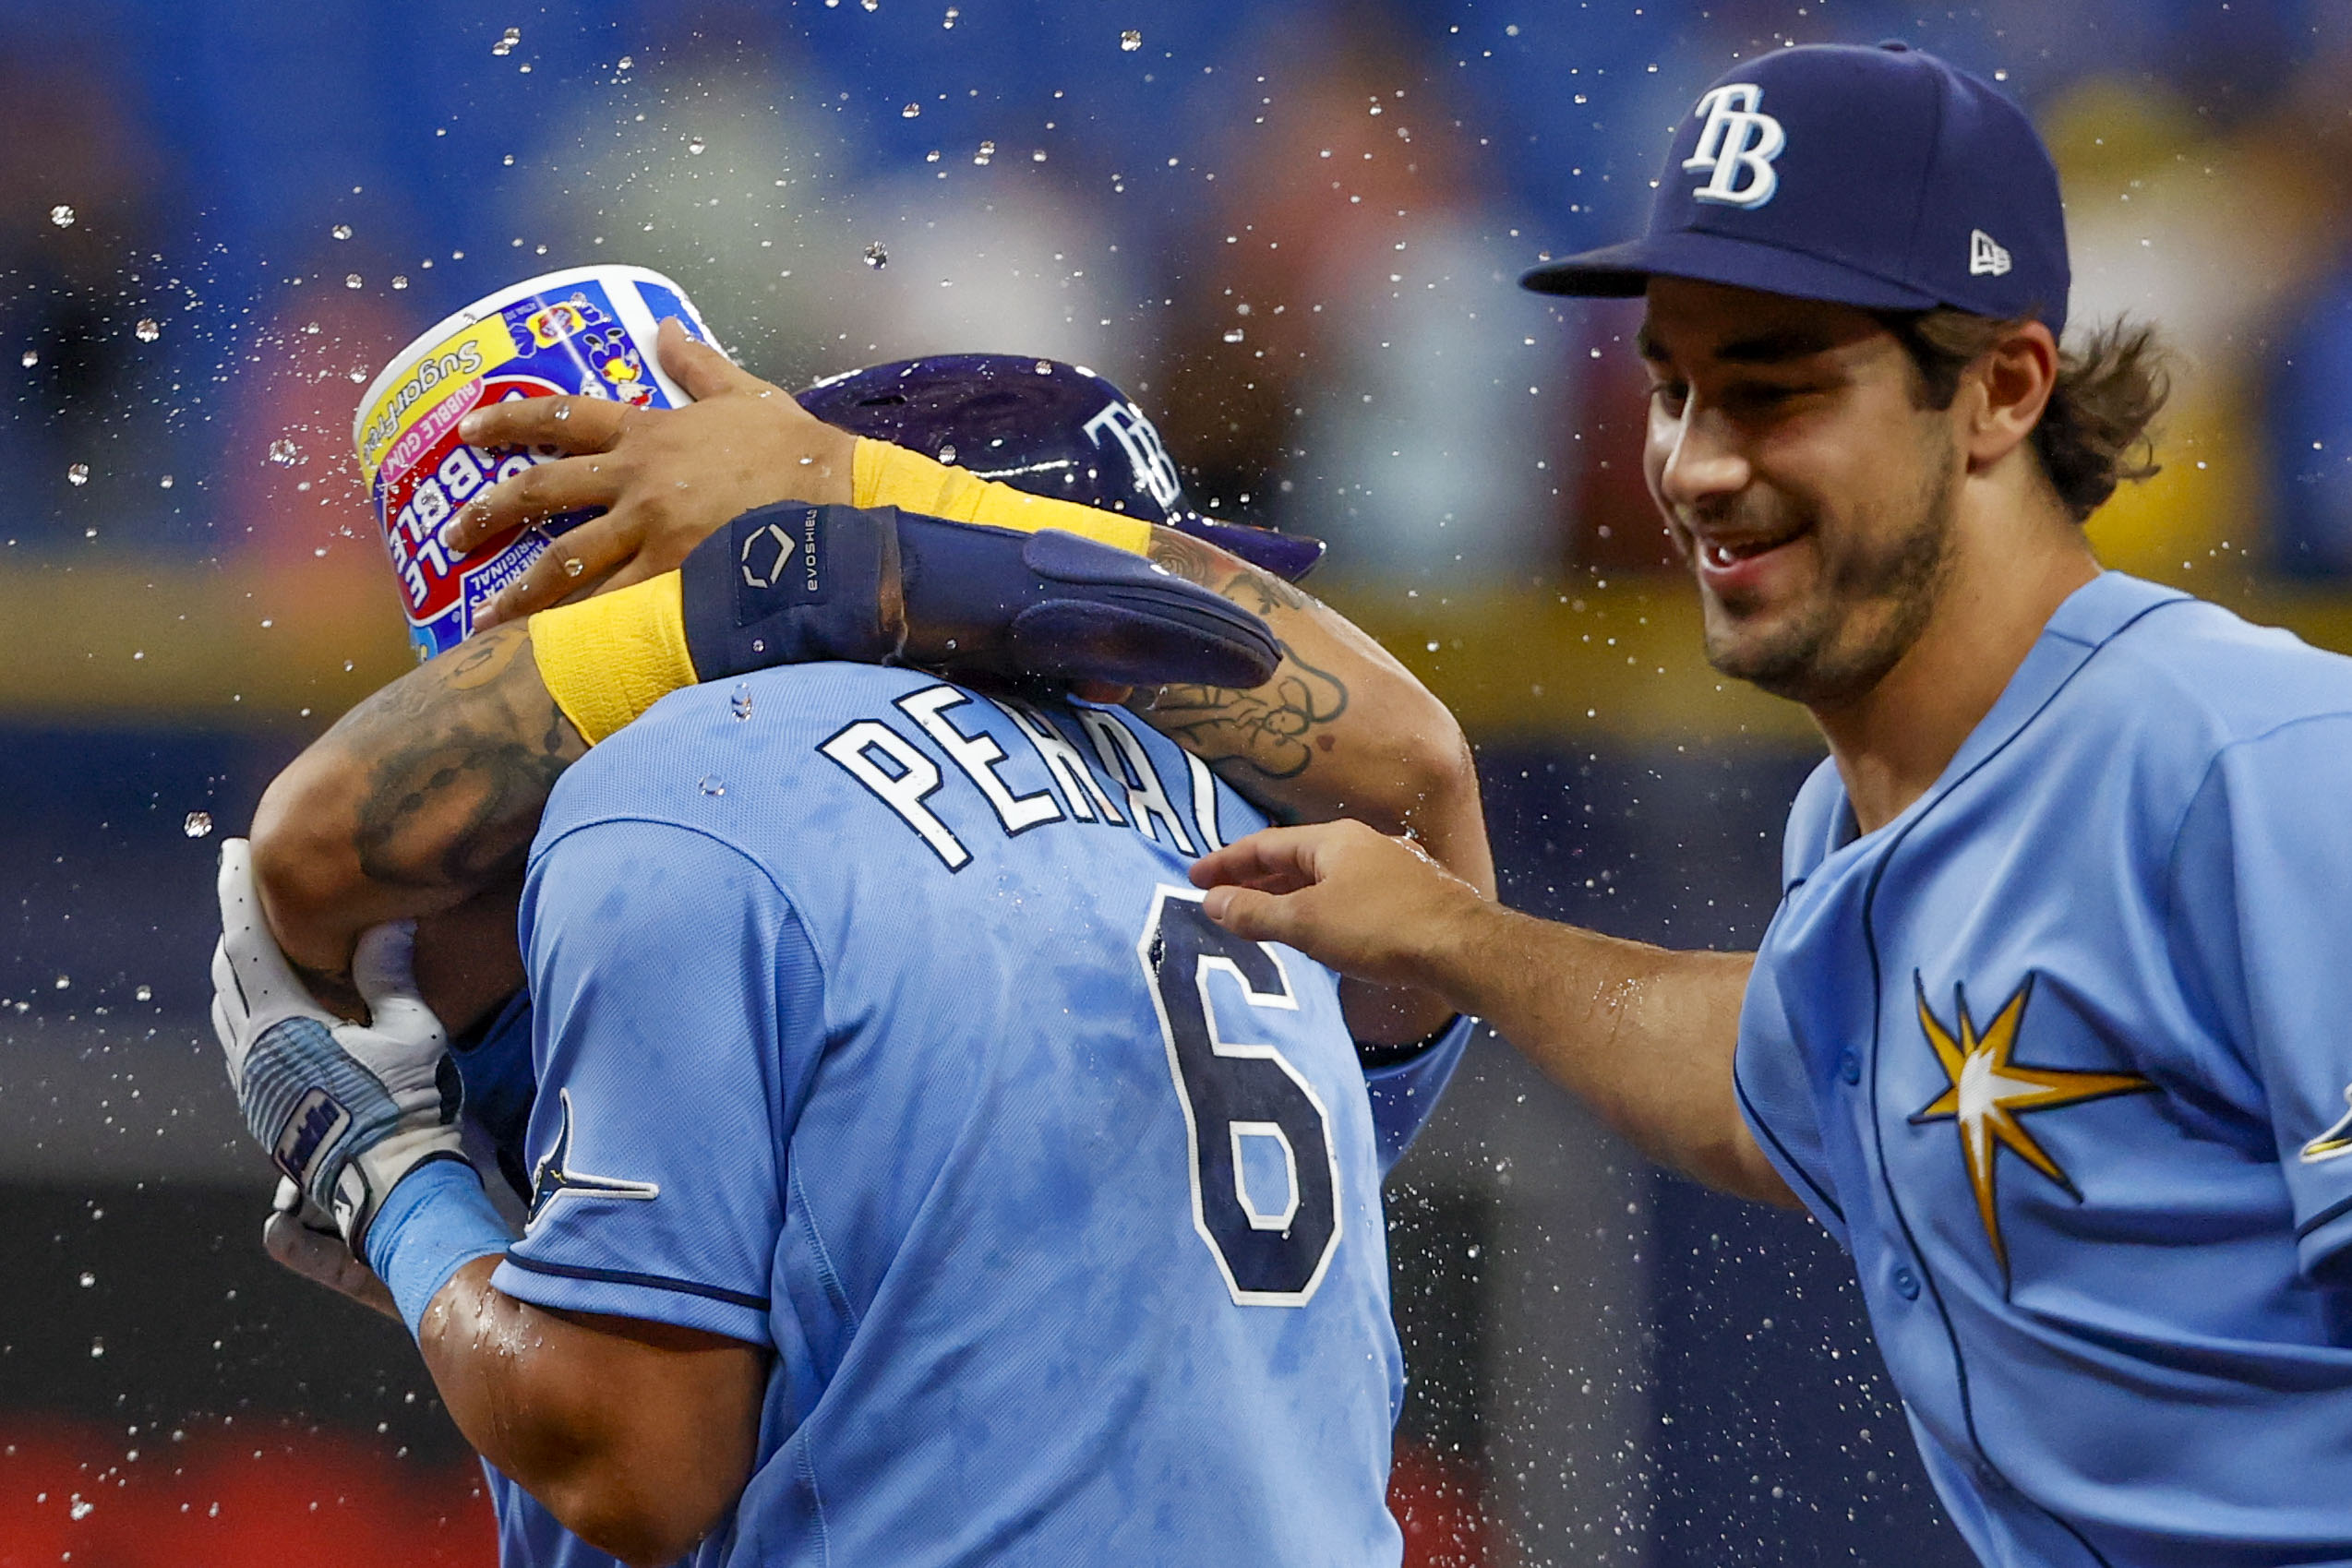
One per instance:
(1737, 145)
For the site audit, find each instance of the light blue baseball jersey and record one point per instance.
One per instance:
(878, 1026)
(2060, 1055)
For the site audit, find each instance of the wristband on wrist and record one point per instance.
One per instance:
(885, 476)
(607, 659)
(437, 1221)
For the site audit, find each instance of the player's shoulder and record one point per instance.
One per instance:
(2180, 680)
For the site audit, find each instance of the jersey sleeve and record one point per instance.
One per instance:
(679, 1016)
(2260, 917)
(1404, 1094)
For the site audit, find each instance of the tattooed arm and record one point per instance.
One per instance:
(1342, 730)
(421, 801)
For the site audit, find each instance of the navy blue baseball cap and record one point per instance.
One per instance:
(1043, 426)
(1878, 178)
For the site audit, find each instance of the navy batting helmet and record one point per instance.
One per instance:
(1040, 425)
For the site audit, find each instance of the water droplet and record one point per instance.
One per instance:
(65, 983)
(283, 451)
(910, 112)
(1038, 156)
(695, 145)
(712, 784)
(340, 231)
(573, 566)
(871, 4)
(199, 824)
(148, 330)
(1045, 367)
(1234, 335)
(88, 1278)
(97, 1348)
(30, 358)
(563, 414)
(145, 993)
(62, 215)
(987, 151)
(627, 62)
(350, 279)
(78, 474)
(1130, 40)
(82, 1507)
(506, 40)
(400, 280)
(164, 482)
(876, 257)
(739, 703)
(947, 454)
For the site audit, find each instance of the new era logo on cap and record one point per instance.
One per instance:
(1986, 257)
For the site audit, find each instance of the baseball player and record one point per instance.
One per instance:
(1025, 1258)
(2045, 1030)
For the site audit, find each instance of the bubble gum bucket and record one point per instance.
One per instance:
(588, 332)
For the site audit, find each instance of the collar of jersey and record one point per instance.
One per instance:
(2090, 616)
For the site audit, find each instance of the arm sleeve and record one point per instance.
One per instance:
(1404, 1094)
(679, 1016)
(2261, 926)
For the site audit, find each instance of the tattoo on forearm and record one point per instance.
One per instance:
(460, 754)
(1270, 731)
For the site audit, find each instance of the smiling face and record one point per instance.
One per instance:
(1811, 494)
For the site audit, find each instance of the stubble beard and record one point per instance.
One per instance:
(1858, 622)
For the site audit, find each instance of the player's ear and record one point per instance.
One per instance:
(2006, 391)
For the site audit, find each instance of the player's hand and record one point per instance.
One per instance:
(302, 1237)
(344, 1109)
(1348, 896)
(666, 477)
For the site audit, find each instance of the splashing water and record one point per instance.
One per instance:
(350, 279)
(694, 145)
(340, 231)
(148, 330)
(145, 993)
(62, 215)
(199, 824)
(1045, 367)
(1131, 40)
(987, 151)
(739, 703)
(283, 453)
(876, 257)
(506, 40)
(1233, 336)
(30, 358)
(626, 63)
(947, 454)
(910, 112)
(712, 784)
(77, 475)
(400, 281)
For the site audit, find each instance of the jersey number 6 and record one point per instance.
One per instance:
(1234, 1094)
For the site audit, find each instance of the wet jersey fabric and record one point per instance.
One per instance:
(2060, 1055)
(875, 1022)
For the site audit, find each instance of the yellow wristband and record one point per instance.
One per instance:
(885, 476)
(607, 660)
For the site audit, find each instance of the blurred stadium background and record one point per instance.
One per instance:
(1292, 230)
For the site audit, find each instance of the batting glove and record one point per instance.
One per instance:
(344, 1109)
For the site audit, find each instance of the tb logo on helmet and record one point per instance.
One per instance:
(1736, 146)
(1155, 470)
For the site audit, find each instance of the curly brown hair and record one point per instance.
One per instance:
(2093, 434)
